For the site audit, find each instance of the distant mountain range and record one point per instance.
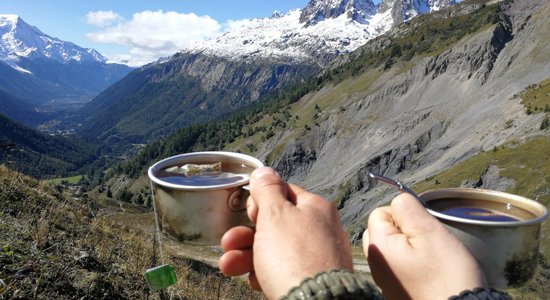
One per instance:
(241, 67)
(43, 70)
(316, 33)
(254, 63)
(21, 40)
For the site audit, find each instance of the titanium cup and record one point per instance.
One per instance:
(200, 214)
(507, 251)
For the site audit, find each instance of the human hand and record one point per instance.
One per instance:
(297, 235)
(412, 255)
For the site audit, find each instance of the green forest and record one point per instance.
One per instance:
(40, 155)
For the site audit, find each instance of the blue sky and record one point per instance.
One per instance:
(139, 31)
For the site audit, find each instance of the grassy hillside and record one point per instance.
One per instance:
(55, 246)
(518, 161)
(536, 99)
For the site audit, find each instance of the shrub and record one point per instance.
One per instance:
(508, 123)
(545, 123)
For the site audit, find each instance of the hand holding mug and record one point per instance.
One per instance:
(298, 234)
(412, 255)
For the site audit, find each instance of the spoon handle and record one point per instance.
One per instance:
(400, 186)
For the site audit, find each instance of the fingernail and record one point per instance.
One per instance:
(263, 171)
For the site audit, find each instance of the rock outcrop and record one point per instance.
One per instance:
(319, 10)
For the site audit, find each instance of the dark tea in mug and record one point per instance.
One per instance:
(482, 210)
(501, 230)
(228, 173)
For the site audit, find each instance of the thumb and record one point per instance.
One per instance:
(410, 216)
(267, 188)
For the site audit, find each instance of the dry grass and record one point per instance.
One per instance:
(54, 246)
(536, 98)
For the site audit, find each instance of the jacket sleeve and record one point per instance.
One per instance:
(481, 294)
(337, 284)
(345, 285)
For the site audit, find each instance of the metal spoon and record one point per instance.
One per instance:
(400, 186)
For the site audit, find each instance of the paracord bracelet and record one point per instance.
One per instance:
(336, 284)
(481, 294)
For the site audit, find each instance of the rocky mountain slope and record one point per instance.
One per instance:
(157, 99)
(422, 116)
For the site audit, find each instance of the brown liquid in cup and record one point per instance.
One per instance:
(482, 210)
(230, 173)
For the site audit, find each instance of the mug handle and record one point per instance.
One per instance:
(237, 199)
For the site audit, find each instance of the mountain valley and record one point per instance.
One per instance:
(239, 68)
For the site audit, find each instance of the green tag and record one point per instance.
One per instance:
(160, 277)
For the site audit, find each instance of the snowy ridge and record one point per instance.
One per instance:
(285, 37)
(21, 40)
(436, 5)
(322, 27)
(282, 38)
(319, 10)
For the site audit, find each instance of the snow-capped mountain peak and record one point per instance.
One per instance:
(277, 14)
(316, 33)
(21, 40)
(13, 30)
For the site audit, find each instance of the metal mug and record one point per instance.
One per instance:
(200, 215)
(507, 250)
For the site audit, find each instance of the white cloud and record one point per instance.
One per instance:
(154, 34)
(103, 18)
